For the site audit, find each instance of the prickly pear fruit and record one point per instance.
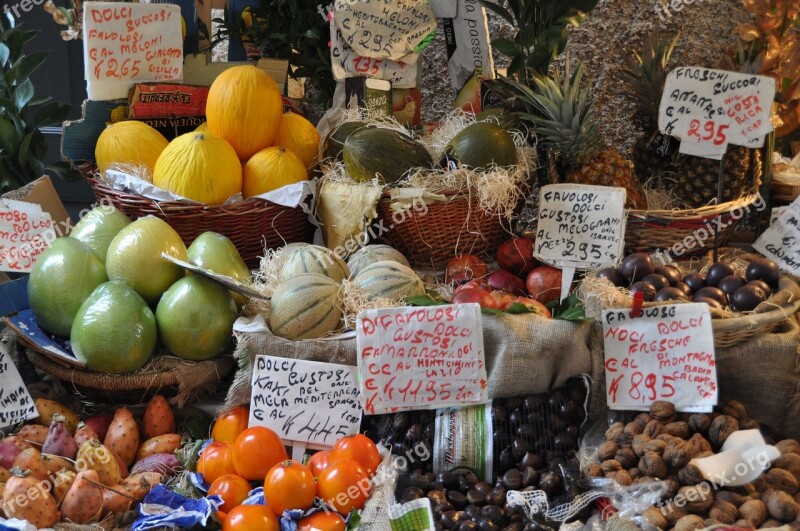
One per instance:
(26, 498)
(158, 418)
(122, 437)
(95, 456)
(59, 441)
(84, 499)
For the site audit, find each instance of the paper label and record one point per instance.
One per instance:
(781, 241)
(345, 62)
(775, 213)
(467, 39)
(580, 226)
(305, 401)
(16, 405)
(128, 42)
(667, 353)
(387, 29)
(167, 100)
(708, 109)
(421, 358)
(444, 8)
(25, 233)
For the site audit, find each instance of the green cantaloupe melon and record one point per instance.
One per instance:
(305, 307)
(389, 280)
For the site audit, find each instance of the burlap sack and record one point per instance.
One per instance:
(762, 373)
(524, 354)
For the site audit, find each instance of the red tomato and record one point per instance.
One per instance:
(232, 488)
(255, 451)
(251, 518)
(322, 521)
(319, 462)
(230, 425)
(215, 461)
(344, 485)
(289, 485)
(360, 448)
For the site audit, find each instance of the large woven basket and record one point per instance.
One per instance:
(652, 230)
(457, 225)
(251, 225)
(178, 379)
(784, 192)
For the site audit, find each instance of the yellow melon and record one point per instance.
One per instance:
(199, 166)
(300, 137)
(244, 107)
(129, 142)
(270, 169)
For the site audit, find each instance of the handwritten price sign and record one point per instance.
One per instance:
(305, 401)
(708, 109)
(665, 354)
(127, 42)
(16, 404)
(25, 233)
(781, 241)
(421, 358)
(580, 226)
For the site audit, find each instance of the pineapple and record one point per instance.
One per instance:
(565, 121)
(645, 85)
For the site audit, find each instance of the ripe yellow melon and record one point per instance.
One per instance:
(199, 166)
(129, 142)
(299, 136)
(270, 169)
(244, 107)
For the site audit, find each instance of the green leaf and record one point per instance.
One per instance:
(506, 47)
(424, 300)
(27, 64)
(5, 53)
(9, 137)
(517, 308)
(39, 100)
(499, 10)
(65, 171)
(51, 114)
(36, 169)
(24, 150)
(491, 311)
(23, 94)
(354, 520)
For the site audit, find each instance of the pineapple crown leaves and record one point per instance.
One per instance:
(565, 118)
(647, 78)
(22, 113)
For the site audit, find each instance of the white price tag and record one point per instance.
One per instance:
(781, 241)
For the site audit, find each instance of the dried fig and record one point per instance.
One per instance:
(677, 453)
(666, 437)
(655, 445)
(662, 411)
(690, 522)
(699, 444)
(614, 431)
(723, 512)
(788, 446)
(749, 424)
(780, 505)
(593, 471)
(634, 472)
(771, 524)
(699, 422)
(698, 497)
(690, 475)
(779, 479)
(655, 518)
(678, 429)
(721, 428)
(607, 450)
(627, 457)
(652, 429)
(642, 419)
(621, 477)
(735, 409)
(639, 443)
(789, 462)
(610, 465)
(632, 429)
(731, 497)
(743, 524)
(754, 511)
(673, 513)
(653, 465)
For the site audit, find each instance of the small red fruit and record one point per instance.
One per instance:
(533, 306)
(506, 281)
(502, 299)
(482, 297)
(465, 267)
(516, 256)
(544, 284)
(478, 283)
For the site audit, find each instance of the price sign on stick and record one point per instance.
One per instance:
(580, 227)
(421, 358)
(708, 109)
(667, 353)
(16, 405)
(128, 42)
(305, 401)
(781, 241)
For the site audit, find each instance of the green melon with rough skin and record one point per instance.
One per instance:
(305, 307)
(389, 280)
(333, 144)
(370, 254)
(306, 258)
(385, 154)
(482, 145)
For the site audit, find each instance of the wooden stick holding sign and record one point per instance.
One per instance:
(580, 227)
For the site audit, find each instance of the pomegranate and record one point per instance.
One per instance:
(502, 299)
(506, 281)
(465, 267)
(516, 256)
(533, 306)
(544, 284)
(478, 283)
(482, 297)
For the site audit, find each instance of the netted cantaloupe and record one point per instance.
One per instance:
(315, 259)
(299, 136)
(129, 143)
(389, 280)
(374, 253)
(270, 169)
(385, 154)
(199, 166)
(305, 307)
(244, 107)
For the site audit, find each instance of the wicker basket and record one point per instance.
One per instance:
(178, 379)
(784, 192)
(251, 225)
(455, 226)
(651, 230)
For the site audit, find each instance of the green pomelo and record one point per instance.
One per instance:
(115, 330)
(195, 318)
(134, 256)
(218, 254)
(481, 145)
(97, 228)
(63, 276)
(386, 154)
